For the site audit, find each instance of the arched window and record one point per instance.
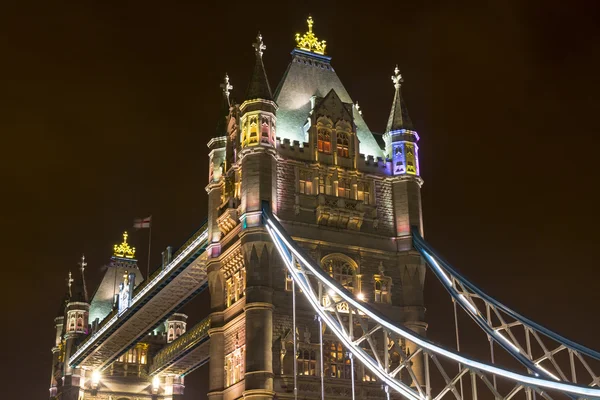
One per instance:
(324, 141)
(171, 335)
(343, 145)
(342, 269)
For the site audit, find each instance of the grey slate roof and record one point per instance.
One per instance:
(307, 75)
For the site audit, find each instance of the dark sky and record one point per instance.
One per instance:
(106, 108)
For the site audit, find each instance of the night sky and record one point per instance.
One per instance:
(106, 109)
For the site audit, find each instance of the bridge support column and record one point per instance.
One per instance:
(216, 375)
(259, 349)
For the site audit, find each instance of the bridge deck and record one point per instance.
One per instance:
(185, 354)
(165, 292)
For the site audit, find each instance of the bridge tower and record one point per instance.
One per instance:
(334, 186)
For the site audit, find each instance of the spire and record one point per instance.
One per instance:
(399, 118)
(82, 265)
(226, 87)
(259, 84)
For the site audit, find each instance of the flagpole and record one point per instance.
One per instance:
(149, 245)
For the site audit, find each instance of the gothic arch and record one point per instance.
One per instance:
(343, 269)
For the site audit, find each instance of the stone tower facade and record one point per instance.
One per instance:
(347, 195)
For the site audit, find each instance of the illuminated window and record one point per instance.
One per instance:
(265, 131)
(343, 145)
(235, 286)
(337, 361)
(234, 366)
(307, 362)
(325, 186)
(305, 182)
(344, 188)
(341, 270)
(364, 192)
(253, 138)
(382, 290)
(368, 376)
(324, 141)
(171, 335)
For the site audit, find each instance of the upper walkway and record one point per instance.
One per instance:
(164, 292)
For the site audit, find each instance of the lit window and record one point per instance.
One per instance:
(235, 286)
(343, 145)
(337, 361)
(307, 362)
(341, 271)
(325, 186)
(253, 138)
(344, 188)
(305, 182)
(363, 189)
(324, 141)
(234, 366)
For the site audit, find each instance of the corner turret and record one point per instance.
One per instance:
(258, 110)
(400, 137)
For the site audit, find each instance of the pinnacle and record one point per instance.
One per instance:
(399, 118)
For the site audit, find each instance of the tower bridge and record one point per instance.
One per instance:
(314, 257)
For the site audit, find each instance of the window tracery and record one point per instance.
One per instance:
(306, 360)
(234, 366)
(364, 192)
(343, 145)
(324, 141)
(305, 181)
(235, 286)
(344, 188)
(340, 268)
(337, 361)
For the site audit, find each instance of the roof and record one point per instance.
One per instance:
(310, 75)
(398, 118)
(259, 87)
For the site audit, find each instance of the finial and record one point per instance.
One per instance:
(310, 23)
(70, 281)
(259, 46)
(397, 78)
(226, 86)
(357, 108)
(126, 278)
(381, 270)
(123, 250)
(309, 41)
(82, 263)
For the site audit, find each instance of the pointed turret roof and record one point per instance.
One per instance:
(399, 118)
(225, 104)
(259, 87)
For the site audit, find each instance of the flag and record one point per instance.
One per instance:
(141, 223)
